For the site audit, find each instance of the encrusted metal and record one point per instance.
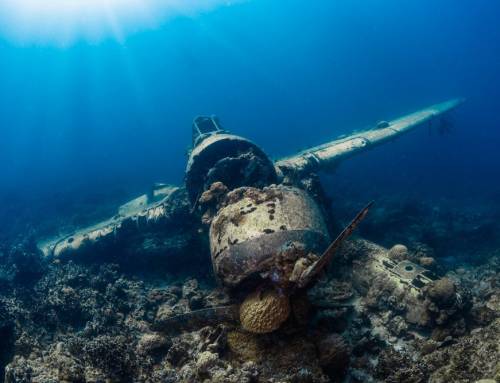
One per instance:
(327, 156)
(246, 235)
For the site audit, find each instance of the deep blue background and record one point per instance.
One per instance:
(287, 75)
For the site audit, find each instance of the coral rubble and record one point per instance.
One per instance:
(111, 321)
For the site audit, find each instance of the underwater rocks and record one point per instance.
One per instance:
(447, 334)
(466, 359)
(150, 343)
(93, 324)
(334, 354)
(277, 357)
(21, 263)
(447, 229)
(78, 324)
(401, 288)
(6, 339)
(442, 292)
(81, 322)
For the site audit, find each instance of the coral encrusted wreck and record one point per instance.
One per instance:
(225, 279)
(98, 322)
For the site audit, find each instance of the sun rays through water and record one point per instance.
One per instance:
(64, 22)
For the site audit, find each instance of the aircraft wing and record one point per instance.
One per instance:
(327, 156)
(147, 213)
(136, 223)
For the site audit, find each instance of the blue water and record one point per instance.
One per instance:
(114, 116)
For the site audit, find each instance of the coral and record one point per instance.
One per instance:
(397, 326)
(299, 268)
(334, 354)
(244, 345)
(450, 359)
(6, 338)
(264, 312)
(326, 292)
(215, 192)
(427, 262)
(494, 303)
(210, 199)
(21, 264)
(468, 358)
(159, 296)
(301, 308)
(398, 367)
(190, 291)
(304, 375)
(77, 322)
(205, 361)
(68, 368)
(398, 253)
(446, 303)
(442, 292)
(150, 343)
(178, 353)
(113, 355)
(418, 314)
(381, 292)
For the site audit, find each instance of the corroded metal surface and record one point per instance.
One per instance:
(328, 155)
(407, 277)
(132, 217)
(248, 233)
(241, 260)
(327, 256)
(220, 147)
(405, 274)
(244, 231)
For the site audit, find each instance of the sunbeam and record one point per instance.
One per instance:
(62, 22)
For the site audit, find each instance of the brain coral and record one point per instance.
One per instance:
(263, 312)
(398, 253)
(442, 291)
